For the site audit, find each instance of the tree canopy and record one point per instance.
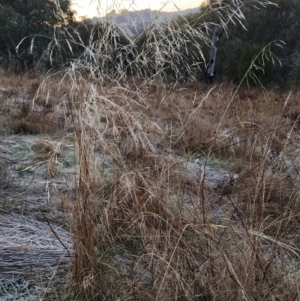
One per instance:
(34, 19)
(176, 50)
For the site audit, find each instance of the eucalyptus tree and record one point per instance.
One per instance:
(34, 20)
(273, 26)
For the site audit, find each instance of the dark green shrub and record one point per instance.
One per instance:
(294, 74)
(255, 65)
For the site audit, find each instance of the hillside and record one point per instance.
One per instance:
(138, 20)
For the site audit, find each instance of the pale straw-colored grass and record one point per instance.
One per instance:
(134, 234)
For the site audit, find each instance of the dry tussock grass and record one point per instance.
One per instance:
(135, 237)
(19, 115)
(135, 234)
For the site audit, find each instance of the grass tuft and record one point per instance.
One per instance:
(154, 216)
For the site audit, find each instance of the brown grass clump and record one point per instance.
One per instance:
(20, 114)
(152, 216)
(145, 229)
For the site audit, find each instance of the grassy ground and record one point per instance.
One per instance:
(170, 193)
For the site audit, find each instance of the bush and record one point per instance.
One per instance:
(294, 74)
(256, 65)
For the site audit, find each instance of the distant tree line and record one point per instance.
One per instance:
(34, 19)
(271, 35)
(176, 51)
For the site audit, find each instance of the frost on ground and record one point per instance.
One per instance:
(30, 255)
(35, 244)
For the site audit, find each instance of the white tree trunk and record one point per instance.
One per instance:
(218, 31)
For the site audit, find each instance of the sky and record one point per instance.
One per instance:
(92, 8)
